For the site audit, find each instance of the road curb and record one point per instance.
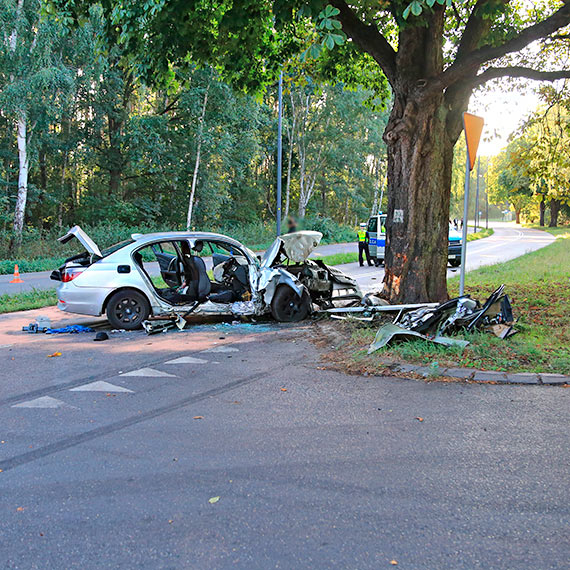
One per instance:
(484, 376)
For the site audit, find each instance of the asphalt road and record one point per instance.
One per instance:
(313, 468)
(507, 242)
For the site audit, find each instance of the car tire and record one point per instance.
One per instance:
(286, 307)
(455, 262)
(127, 310)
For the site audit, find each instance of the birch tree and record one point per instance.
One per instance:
(31, 78)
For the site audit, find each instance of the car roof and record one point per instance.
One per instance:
(206, 236)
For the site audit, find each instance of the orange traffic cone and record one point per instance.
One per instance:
(16, 275)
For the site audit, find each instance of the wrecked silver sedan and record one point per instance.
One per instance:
(173, 275)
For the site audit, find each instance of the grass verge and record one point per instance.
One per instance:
(25, 301)
(480, 234)
(538, 284)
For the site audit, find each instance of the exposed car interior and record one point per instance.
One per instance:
(184, 274)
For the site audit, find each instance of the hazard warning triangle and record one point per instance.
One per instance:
(473, 126)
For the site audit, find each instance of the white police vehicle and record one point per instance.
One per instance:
(377, 237)
(377, 241)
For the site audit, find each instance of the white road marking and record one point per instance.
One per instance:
(221, 349)
(187, 360)
(150, 372)
(99, 386)
(43, 402)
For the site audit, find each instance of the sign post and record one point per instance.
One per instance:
(473, 127)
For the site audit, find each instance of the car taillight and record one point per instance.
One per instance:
(70, 273)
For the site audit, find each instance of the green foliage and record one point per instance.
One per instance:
(115, 155)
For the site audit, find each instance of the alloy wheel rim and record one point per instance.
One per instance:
(128, 310)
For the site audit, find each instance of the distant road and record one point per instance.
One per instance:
(508, 241)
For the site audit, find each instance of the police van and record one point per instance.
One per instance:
(377, 237)
(377, 241)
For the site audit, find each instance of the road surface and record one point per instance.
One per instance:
(249, 454)
(507, 242)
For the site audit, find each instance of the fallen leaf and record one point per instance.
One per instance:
(213, 500)
(394, 562)
(420, 419)
(283, 389)
(198, 418)
(20, 509)
(54, 354)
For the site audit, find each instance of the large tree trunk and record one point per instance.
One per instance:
(517, 215)
(420, 135)
(554, 210)
(420, 159)
(20, 211)
(542, 211)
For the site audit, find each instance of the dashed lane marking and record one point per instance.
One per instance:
(43, 402)
(187, 360)
(149, 372)
(100, 386)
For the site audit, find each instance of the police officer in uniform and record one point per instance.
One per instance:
(363, 245)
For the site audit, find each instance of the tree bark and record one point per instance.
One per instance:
(420, 160)
(197, 163)
(542, 211)
(420, 136)
(554, 211)
(517, 215)
(115, 155)
(19, 213)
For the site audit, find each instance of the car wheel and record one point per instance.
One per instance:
(127, 310)
(455, 262)
(286, 307)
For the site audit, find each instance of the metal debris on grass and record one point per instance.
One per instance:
(432, 323)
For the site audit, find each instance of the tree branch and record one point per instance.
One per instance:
(470, 62)
(476, 26)
(368, 39)
(517, 71)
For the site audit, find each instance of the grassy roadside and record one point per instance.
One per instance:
(480, 234)
(25, 301)
(538, 284)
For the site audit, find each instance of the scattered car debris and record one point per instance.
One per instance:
(433, 321)
(34, 328)
(391, 331)
(71, 329)
(100, 336)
